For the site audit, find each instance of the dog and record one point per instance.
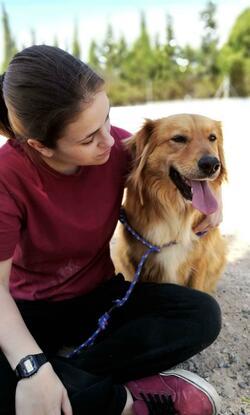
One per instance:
(178, 168)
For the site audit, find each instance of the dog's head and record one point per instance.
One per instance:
(186, 150)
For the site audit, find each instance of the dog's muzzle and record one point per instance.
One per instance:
(209, 165)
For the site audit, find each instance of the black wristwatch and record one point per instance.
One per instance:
(29, 365)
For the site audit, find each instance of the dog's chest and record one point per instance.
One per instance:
(172, 257)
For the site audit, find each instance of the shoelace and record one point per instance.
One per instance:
(159, 404)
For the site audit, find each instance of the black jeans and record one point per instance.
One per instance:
(160, 326)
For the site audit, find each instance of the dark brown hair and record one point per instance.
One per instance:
(43, 90)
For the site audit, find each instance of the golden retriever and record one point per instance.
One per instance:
(178, 167)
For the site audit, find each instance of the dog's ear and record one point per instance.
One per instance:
(223, 173)
(140, 149)
(138, 141)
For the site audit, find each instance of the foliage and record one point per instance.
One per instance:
(8, 40)
(235, 56)
(239, 38)
(150, 69)
(76, 49)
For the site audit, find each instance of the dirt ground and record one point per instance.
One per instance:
(226, 363)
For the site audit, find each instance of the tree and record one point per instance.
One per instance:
(122, 51)
(209, 43)
(239, 38)
(93, 57)
(108, 51)
(139, 63)
(208, 68)
(170, 38)
(9, 48)
(235, 56)
(33, 36)
(210, 38)
(55, 42)
(76, 49)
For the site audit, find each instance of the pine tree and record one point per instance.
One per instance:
(108, 50)
(239, 38)
(208, 72)
(93, 58)
(139, 63)
(235, 56)
(122, 53)
(9, 49)
(33, 36)
(209, 43)
(170, 38)
(55, 42)
(76, 49)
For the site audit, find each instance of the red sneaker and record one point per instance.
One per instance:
(176, 392)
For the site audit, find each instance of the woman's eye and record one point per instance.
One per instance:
(179, 139)
(90, 140)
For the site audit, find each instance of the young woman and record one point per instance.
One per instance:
(62, 175)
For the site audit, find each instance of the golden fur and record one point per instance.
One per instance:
(157, 210)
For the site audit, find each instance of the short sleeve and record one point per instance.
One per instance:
(121, 134)
(10, 224)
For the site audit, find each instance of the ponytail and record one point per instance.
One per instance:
(5, 128)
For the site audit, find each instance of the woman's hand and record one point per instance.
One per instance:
(42, 394)
(213, 220)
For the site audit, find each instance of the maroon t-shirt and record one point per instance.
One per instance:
(58, 227)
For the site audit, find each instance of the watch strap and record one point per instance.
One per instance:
(29, 365)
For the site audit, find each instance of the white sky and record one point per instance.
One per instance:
(57, 18)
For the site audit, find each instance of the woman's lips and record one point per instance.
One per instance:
(105, 153)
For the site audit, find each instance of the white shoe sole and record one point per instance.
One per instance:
(199, 383)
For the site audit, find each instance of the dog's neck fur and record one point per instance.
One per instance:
(166, 225)
(178, 220)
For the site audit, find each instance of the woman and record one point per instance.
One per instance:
(62, 175)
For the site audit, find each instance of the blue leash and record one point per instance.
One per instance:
(103, 320)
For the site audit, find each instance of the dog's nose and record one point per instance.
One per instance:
(209, 165)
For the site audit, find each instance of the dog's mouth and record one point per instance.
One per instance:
(197, 191)
(182, 184)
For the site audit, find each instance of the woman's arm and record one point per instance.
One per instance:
(12, 326)
(42, 393)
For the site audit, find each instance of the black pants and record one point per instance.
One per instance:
(160, 325)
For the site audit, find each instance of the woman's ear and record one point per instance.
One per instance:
(38, 146)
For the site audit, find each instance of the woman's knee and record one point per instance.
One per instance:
(209, 314)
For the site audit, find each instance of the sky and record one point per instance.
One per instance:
(56, 17)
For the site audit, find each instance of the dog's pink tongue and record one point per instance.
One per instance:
(203, 199)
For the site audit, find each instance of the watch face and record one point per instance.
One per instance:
(29, 365)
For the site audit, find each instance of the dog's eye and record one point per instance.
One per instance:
(179, 139)
(212, 137)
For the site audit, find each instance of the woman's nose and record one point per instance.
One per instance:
(106, 139)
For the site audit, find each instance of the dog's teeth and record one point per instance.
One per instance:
(185, 180)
